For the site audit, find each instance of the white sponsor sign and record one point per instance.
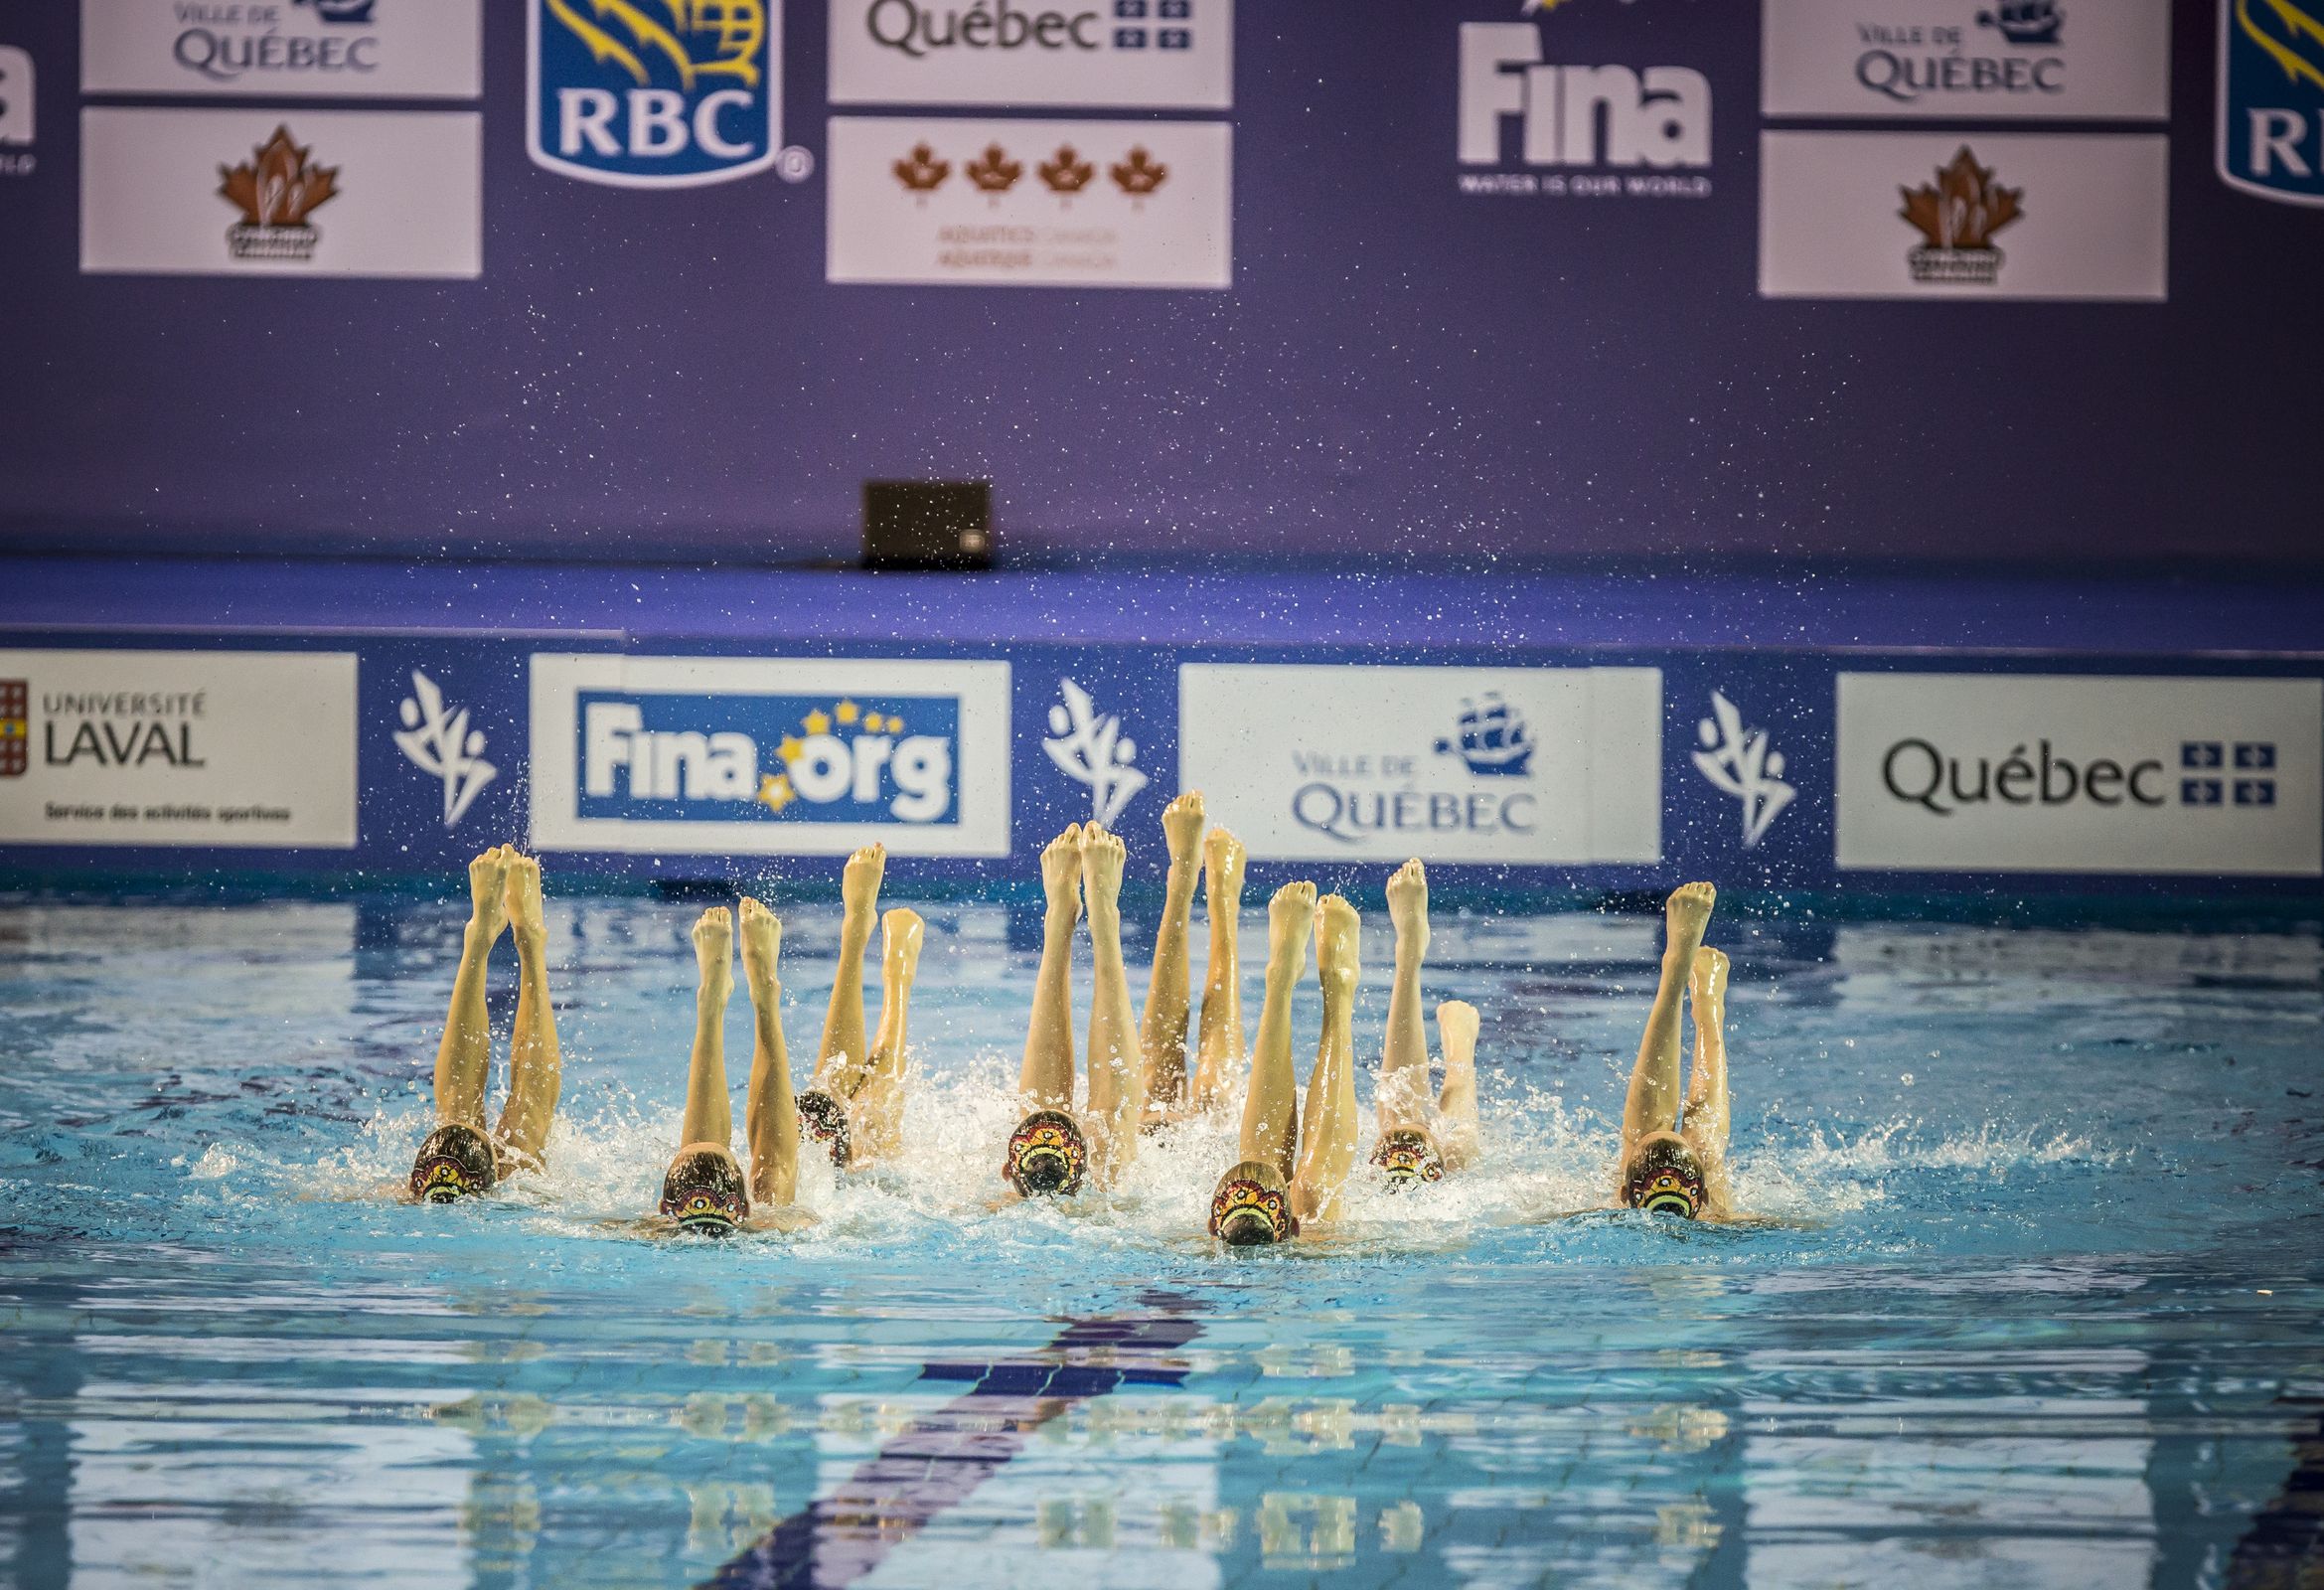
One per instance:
(17, 105)
(1142, 54)
(132, 748)
(1944, 215)
(735, 756)
(1967, 59)
(283, 49)
(281, 192)
(1497, 765)
(2055, 773)
(1036, 203)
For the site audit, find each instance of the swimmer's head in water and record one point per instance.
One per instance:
(1251, 1207)
(1409, 1158)
(1664, 1178)
(825, 1119)
(455, 1162)
(1046, 1154)
(704, 1192)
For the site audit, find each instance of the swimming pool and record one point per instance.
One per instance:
(2050, 1315)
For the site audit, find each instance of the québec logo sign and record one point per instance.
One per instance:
(2211, 773)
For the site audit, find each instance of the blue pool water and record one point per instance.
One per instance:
(2047, 1315)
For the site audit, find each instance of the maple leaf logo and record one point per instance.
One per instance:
(1138, 175)
(1964, 209)
(279, 186)
(921, 171)
(994, 171)
(1066, 172)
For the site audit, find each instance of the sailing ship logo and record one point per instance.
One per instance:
(2025, 21)
(1493, 740)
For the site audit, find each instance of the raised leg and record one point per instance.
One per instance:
(879, 1109)
(770, 1117)
(1456, 1125)
(1653, 1105)
(1706, 1091)
(535, 1065)
(1327, 1131)
(1117, 1082)
(709, 1114)
(1403, 1099)
(1271, 1120)
(464, 1054)
(1161, 1034)
(845, 1057)
(1046, 1077)
(1219, 1057)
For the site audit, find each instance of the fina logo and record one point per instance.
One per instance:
(654, 93)
(1587, 116)
(437, 741)
(2270, 141)
(812, 759)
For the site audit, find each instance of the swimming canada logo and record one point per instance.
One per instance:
(2270, 141)
(436, 738)
(1956, 216)
(654, 93)
(15, 727)
(796, 758)
(276, 189)
(1582, 130)
(1090, 748)
(1745, 765)
(16, 112)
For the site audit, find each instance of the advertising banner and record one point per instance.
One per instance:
(1944, 214)
(699, 755)
(285, 49)
(2068, 773)
(1036, 203)
(2270, 107)
(1514, 766)
(1967, 59)
(281, 192)
(651, 97)
(1174, 55)
(181, 748)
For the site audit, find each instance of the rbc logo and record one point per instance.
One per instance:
(654, 93)
(2272, 99)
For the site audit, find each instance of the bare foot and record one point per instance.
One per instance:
(1689, 913)
(488, 886)
(1456, 1024)
(762, 943)
(714, 952)
(1336, 944)
(1182, 822)
(1101, 872)
(1061, 873)
(1222, 864)
(1291, 918)
(1707, 986)
(859, 880)
(1408, 908)
(901, 931)
(520, 896)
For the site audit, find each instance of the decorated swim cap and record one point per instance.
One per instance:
(704, 1194)
(1665, 1180)
(1046, 1154)
(1409, 1158)
(1246, 1212)
(454, 1163)
(826, 1120)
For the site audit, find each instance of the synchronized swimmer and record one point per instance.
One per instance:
(1294, 1158)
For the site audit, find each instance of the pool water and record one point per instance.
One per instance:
(2046, 1314)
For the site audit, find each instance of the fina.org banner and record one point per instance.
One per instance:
(1173, 54)
(2068, 773)
(1031, 204)
(1967, 59)
(199, 748)
(1963, 214)
(727, 756)
(281, 192)
(1514, 766)
(283, 50)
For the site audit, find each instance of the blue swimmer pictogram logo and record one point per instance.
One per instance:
(654, 93)
(1492, 738)
(2219, 773)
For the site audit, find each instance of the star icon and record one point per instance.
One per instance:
(775, 792)
(845, 711)
(818, 723)
(790, 749)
